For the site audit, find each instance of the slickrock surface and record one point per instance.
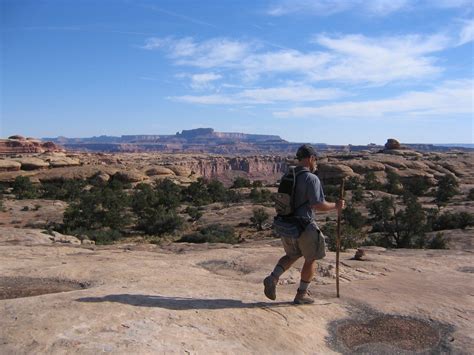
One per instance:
(136, 167)
(209, 299)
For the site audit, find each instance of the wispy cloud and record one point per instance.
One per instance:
(467, 33)
(180, 16)
(291, 93)
(449, 98)
(349, 58)
(204, 80)
(377, 61)
(369, 7)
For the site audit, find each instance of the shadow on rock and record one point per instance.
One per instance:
(181, 303)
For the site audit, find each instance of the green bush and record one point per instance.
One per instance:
(352, 183)
(350, 237)
(447, 188)
(159, 220)
(257, 183)
(358, 194)
(439, 241)
(259, 217)
(452, 220)
(241, 182)
(194, 213)
(260, 195)
(470, 195)
(417, 185)
(23, 188)
(394, 185)
(97, 209)
(371, 182)
(353, 217)
(65, 190)
(214, 233)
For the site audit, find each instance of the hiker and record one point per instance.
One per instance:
(307, 239)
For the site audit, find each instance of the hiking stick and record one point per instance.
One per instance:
(338, 239)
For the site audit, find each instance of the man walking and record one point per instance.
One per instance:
(308, 197)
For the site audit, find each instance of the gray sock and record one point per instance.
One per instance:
(278, 271)
(303, 285)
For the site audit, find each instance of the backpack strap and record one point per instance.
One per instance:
(295, 175)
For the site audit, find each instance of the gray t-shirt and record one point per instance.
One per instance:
(308, 192)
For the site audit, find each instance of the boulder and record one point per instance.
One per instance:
(159, 170)
(334, 171)
(58, 162)
(100, 178)
(32, 163)
(392, 144)
(9, 165)
(364, 166)
(17, 137)
(130, 176)
(180, 170)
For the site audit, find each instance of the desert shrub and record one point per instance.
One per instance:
(204, 192)
(98, 209)
(352, 183)
(25, 208)
(350, 237)
(404, 228)
(23, 188)
(452, 220)
(159, 220)
(353, 217)
(214, 233)
(260, 195)
(259, 217)
(470, 195)
(439, 241)
(371, 182)
(358, 194)
(257, 183)
(447, 188)
(394, 185)
(417, 185)
(104, 236)
(194, 213)
(241, 182)
(65, 190)
(331, 192)
(155, 207)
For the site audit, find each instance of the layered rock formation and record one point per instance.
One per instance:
(21, 145)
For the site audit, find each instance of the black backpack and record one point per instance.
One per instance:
(285, 197)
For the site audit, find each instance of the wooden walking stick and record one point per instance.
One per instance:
(338, 239)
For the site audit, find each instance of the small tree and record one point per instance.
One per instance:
(371, 182)
(353, 217)
(241, 182)
(23, 188)
(447, 188)
(194, 213)
(394, 186)
(259, 217)
(417, 185)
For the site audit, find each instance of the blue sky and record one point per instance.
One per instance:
(329, 71)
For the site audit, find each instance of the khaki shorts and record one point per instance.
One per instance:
(310, 244)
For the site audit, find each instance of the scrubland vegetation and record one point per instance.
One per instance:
(108, 212)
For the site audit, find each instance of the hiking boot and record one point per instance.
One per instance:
(270, 284)
(302, 297)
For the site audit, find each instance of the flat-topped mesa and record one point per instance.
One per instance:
(19, 145)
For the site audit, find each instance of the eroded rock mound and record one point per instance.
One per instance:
(392, 144)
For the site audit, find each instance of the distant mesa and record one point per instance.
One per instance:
(18, 144)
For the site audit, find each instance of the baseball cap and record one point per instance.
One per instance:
(305, 151)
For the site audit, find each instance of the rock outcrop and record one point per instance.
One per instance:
(20, 145)
(392, 144)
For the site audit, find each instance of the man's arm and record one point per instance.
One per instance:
(329, 206)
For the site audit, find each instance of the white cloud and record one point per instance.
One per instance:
(467, 33)
(452, 97)
(377, 61)
(349, 58)
(202, 81)
(266, 96)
